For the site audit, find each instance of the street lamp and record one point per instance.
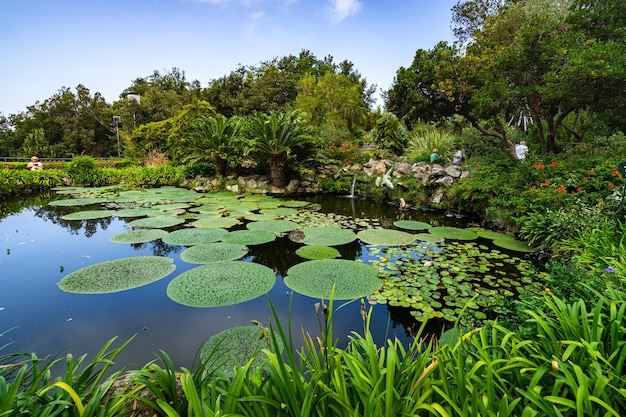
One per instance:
(117, 121)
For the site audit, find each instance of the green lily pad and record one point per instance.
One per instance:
(249, 237)
(457, 233)
(386, 237)
(316, 279)
(257, 217)
(221, 284)
(138, 236)
(89, 215)
(221, 222)
(411, 225)
(275, 226)
(138, 212)
(117, 275)
(213, 252)
(73, 202)
(327, 236)
(294, 203)
(234, 347)
(317, 252)
(195, 236)
(158, 222)
(428, 237)
(280, 211)
(513, 244)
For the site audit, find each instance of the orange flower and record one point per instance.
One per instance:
(579, 189)
(554, 164)
(591, 172)
(585, 178)
(533, 187)
(610, 185)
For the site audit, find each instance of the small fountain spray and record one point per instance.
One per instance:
(352, 187)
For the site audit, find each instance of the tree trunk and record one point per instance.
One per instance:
(510, 146)
(278, 168)
(220, 166)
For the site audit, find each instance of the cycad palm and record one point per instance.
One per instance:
(218, 138)
(276, 137)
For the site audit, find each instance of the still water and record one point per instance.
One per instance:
(38, 248)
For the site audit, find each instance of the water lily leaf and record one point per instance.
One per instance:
(194, 236)
(234, 347)
(411, 225)
(327, 236)
(386, 237)
(428, 237)
(89, 215)
(275, 226)
(213, 252)
(257, 217)
(221, 284)
(138, 236)
(249, 237)
(221, 222)
(117, 275)
(280, 211)
(489, 234)
(158, 222)
(73, 202)
(513, 244)
(294, 203)
(317, 252)
(449, 232)
(317, 278)
(138, 212)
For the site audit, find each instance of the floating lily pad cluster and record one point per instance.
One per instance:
(432, 270)
(438, 281)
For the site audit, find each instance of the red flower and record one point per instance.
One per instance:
(585, 178)
(478, 166)
(579, 189)
(533, 187)
(592, 171)
(610, 185)
(538, 165)
(554, 164)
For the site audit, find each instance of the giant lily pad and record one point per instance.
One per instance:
(316, 279)
(317, 252)
(117, 275)
(158, 222)
(249, 237)
(275, 226)
(194, 236)
(386, 237)
(411, 225)
(222, 222)
(280, 211)
(88, 215)
(213, 252)
(138, 236)
(327, 236)
(73, 202)
(449, 232)
(513, 244)
(138, 212)
(221, 284)
(490, 234)
(428, 237)
(234, 347)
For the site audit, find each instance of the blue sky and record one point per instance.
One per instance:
(106, 44)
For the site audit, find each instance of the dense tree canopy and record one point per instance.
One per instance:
(528, 60)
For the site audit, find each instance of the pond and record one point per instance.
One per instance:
(39, 248)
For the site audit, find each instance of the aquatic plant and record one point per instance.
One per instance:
(213, 252)
(411, 225)
(117, 275)
(249, 237)
(221, 284)
(88, 215)
(194, 236)
(456, 233)
(317, 278)
(317, 252)
(138, 236)
(157, 222)
(275, 226)
(385, 237)
(221, 222)
(327, 236)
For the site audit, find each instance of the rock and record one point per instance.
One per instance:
(403, 168)
(453, 170)
(437, 196)
(293, 185)
(446, 181)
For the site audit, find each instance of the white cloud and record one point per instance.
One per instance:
(341, 9)
(255, 17)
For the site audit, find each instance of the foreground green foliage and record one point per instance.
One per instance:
(571, 365)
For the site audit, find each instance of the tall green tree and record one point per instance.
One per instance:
(280, 137)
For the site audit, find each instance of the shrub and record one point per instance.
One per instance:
(83, 171)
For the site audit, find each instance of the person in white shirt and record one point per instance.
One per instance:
(521, 150)
(458, 156)
(34, 164)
